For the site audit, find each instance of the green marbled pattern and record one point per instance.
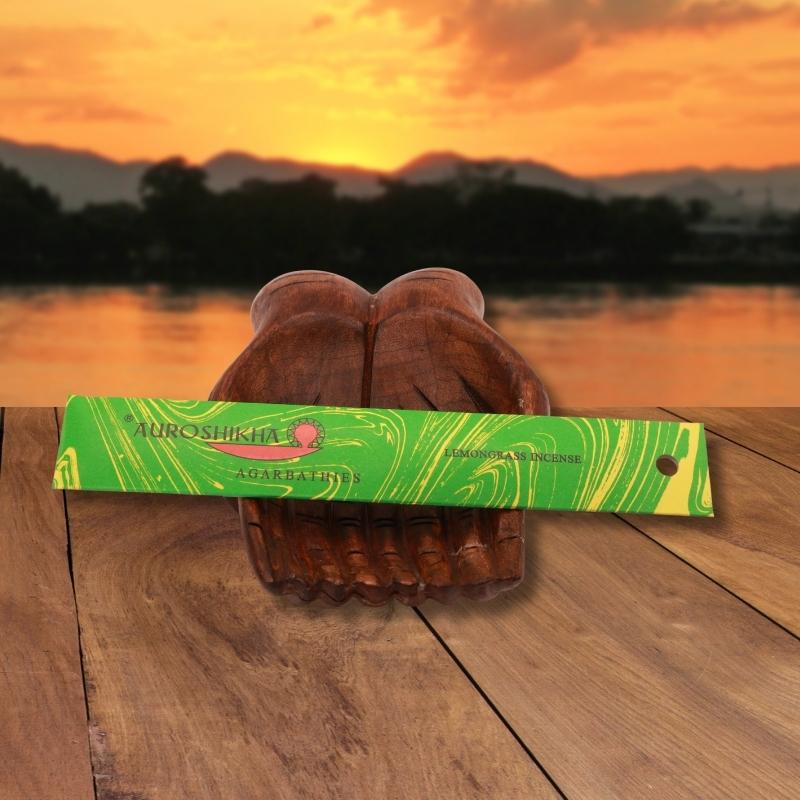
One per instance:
(391, 456)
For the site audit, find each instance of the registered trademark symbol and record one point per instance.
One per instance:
(129, 418)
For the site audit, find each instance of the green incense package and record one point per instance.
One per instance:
(443, 458)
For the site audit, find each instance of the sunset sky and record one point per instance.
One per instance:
(590, 86)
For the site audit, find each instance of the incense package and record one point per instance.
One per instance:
(374, 455)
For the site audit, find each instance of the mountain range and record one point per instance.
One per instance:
(80, 176)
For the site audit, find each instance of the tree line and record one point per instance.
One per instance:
(182, 232)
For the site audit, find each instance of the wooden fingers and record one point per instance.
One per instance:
(420, 342)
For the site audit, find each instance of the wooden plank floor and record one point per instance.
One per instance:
(752, 546)
(771, 432)
(642, 657)
(44, 748)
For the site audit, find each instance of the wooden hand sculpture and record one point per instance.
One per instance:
(421, 343)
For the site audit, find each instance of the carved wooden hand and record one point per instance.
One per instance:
(420, 342)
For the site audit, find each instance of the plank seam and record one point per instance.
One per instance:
(70, 565)
(495, 710)
(733, 441)
(708, 577)
(2, 428)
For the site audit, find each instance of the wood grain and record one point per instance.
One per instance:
(752, 545)
(631, 675)
(204, 686)
(773, 432)
(44, 751)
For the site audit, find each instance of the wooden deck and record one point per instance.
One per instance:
(643, 657)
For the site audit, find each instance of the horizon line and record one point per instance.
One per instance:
(687, 166)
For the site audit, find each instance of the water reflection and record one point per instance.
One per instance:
(591, 344)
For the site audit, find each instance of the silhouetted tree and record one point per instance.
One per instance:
(177, 215)
(529, 224)
(406, 223)
(480, 220)
(643, 230)
(29, 221)
(697, 210)
(278, 225)
(794, 232)
(107, 239)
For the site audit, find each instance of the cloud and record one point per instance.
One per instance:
(509, 42)
(779, 65)
(57, 107)
(772, 119)
(595, 89)
(99, 111)
(746, 81)
(320, 21)
(54, 53)
(60, 74)
(14, 70)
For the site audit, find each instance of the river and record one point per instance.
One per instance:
(592, 346)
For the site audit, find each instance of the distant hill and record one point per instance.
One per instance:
(433, 167)
(699, 188)
(79, 177)
(76, 176)
(779, 186)
(228, 170)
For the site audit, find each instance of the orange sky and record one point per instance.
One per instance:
(587, 85)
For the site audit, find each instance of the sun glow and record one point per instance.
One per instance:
(349, 155)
